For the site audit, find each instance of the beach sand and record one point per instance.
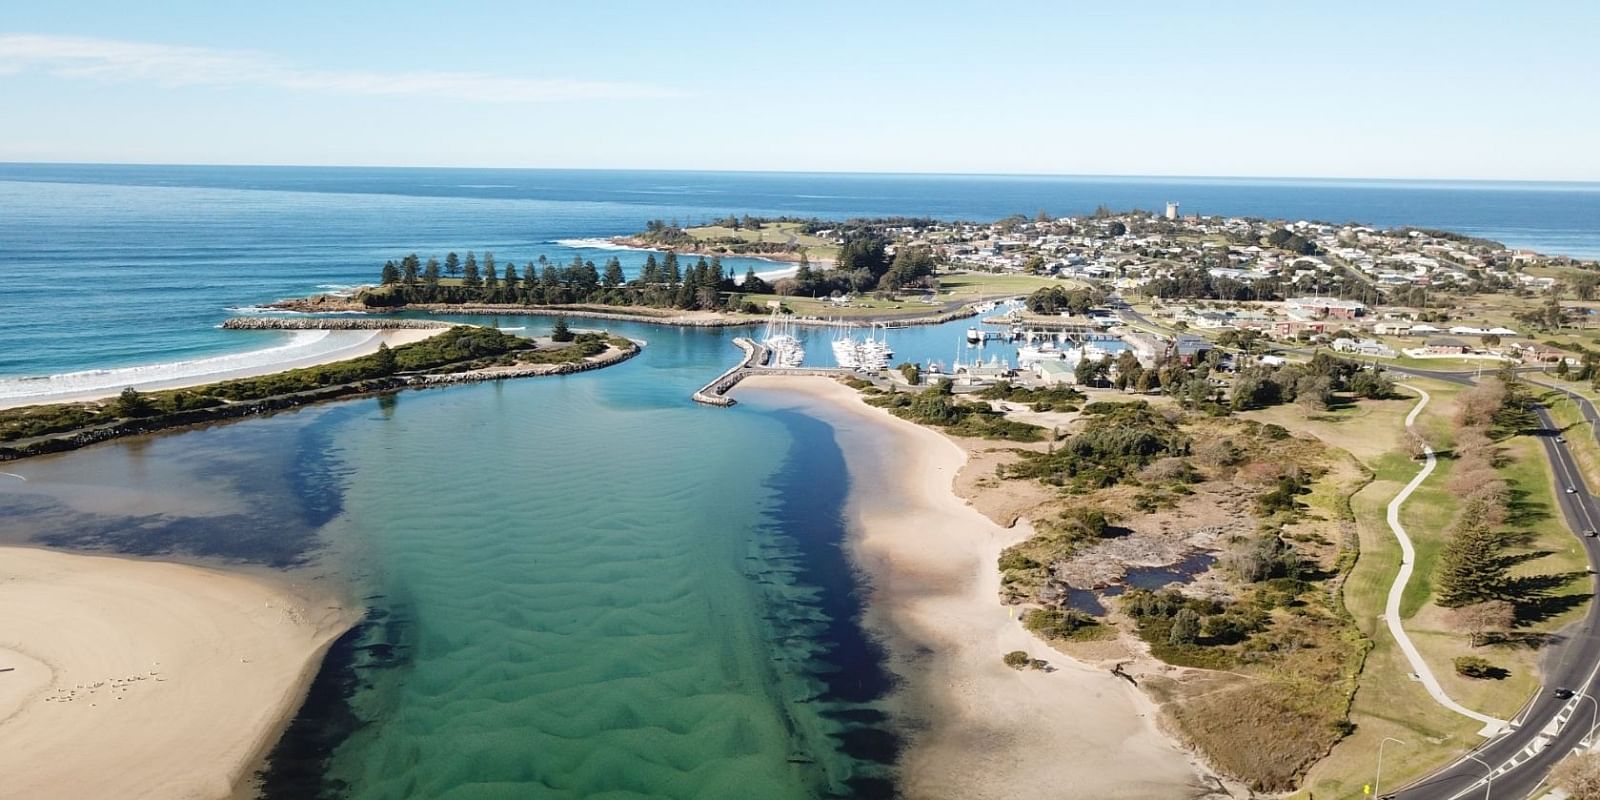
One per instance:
(982, 729)
(137, 679)
(195, 373)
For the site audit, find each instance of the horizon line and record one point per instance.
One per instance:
(1573, 182)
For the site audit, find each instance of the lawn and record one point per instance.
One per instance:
(782, 232)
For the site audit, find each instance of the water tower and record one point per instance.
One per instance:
(1172, 210)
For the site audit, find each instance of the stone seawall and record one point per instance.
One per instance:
(331, 324)
(250, 408)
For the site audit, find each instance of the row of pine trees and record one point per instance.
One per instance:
(661, 283)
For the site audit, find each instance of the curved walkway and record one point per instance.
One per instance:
(1408, 558)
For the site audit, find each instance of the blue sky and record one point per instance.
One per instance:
(1355, 89)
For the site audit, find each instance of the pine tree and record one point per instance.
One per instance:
(408, 270)
(430, 273)
(1185, 627)
(613, 277)
(469, 272)
(1471, 569)
(651, 274)
(387, 365)
(491, 278)
(511, 276)
(452, 265)
(561, 333)
(391, 274)
(673, 275)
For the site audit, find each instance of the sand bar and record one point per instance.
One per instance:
(306, 349)
(986, 730)
(139, 679)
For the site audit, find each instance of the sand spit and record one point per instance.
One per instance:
(138, 679)
(983, 729)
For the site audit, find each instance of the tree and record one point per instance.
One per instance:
(1471, 570)
(430, 273)
(1584, 285)
(469, 272)
(1580, 775)
(613, 277)
(387, 365)
(131, 403)
(1479, 619)
(1185, 627)
(391, 274)
(560, 332)
(452, 265)
(1017, 659)
(1118, 229)
(409, 269)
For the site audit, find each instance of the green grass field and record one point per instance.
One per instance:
(781, 232)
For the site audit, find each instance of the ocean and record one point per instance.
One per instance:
(578, 586)
(160, 255)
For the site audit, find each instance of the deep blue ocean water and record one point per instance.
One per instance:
(106, 266)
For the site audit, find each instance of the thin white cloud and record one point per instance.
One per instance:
(175, 66)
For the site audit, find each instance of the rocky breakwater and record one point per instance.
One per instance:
(331, 324)
(612, 355)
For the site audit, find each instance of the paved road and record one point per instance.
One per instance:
(1515, 763)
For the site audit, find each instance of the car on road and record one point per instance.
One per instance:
(1571, 490)
(1563, 693)
(1591, 533)
(1561, 439)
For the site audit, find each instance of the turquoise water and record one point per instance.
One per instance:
(582, 586)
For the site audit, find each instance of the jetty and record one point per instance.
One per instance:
(755, 362)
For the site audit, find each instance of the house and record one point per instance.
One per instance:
(1363, 347)
(1190, 348)
(1392, 329)
(1535, 353)
(1446, 347)
(1324, 307)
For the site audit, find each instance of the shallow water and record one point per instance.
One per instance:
(580, 586)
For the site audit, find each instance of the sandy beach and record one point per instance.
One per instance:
(984, 729)
(138, 679)
(337, 345)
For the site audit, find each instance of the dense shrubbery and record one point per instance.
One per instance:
(1057, 623)
(1187, 630)
(936, 406)
(1476, 667)
(1117, 440)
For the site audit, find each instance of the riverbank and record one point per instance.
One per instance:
(983, 729)
(139, 679)
(352, 341)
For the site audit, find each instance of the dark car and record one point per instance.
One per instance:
(1563, 694)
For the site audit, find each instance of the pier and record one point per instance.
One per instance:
(754, 362)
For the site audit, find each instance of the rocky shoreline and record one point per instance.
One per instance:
(330, 324)
(701, 319)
